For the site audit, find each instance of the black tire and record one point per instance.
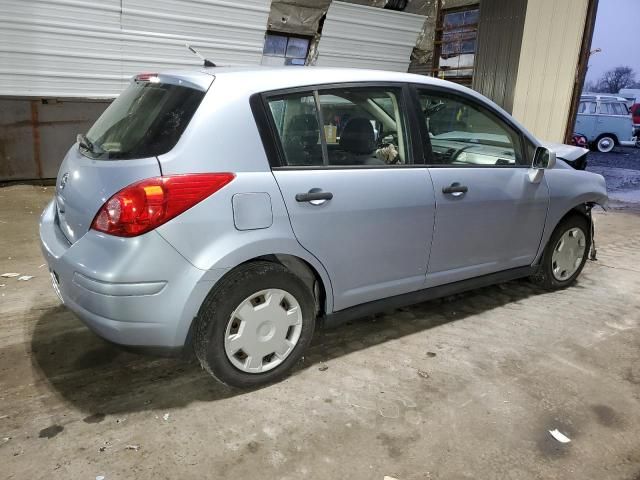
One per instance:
(544, 276)
(224, 298)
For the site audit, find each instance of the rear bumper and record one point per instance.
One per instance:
(132, 291)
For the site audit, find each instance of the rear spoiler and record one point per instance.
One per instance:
(191, 79)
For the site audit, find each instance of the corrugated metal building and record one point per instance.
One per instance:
(61, 61)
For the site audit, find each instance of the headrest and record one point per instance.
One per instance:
(304, 129)
(358, 136)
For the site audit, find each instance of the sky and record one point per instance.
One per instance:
(616, 33)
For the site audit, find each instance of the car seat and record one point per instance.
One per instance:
(358, 141)
(301, 141)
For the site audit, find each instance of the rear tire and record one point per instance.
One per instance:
(252, 306)
(562, 263)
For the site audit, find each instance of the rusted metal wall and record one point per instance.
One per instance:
(35, 134)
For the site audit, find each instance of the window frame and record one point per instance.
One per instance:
(288, 36)
(272, 142)
(523, 140)
(439, 42)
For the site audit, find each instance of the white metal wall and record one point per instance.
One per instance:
(368, 37)
(85, 48)
(551, 45)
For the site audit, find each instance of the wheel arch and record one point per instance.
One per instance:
(297, 260)
(582, 209)
(305, 272)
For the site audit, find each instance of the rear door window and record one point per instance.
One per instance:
(349, 127)
(364, 126)
(146, 120)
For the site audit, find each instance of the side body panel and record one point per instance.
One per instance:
(497, 225)
(569, 188)
(373, 236)
(586, 125)
(619, 125)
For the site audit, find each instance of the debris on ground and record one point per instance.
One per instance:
(323, 367)
(133, 447)
(2, 285)
(559, 436)
(431, 354)
(42, 265)
(100, 477)
(10, 275)
(6, 439)
(387, 477)
(165, 417)
(423, 374)
(25, 278)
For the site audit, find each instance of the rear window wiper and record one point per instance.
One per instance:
(87, 144)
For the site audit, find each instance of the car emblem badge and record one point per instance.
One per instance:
(63, 181)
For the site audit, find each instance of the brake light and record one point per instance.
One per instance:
(147, 204)
(147, 77)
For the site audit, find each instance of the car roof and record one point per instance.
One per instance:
(606, 97)
(255, 79)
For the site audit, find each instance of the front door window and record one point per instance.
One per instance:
(464, 133)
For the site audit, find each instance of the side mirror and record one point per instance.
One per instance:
(544, 159)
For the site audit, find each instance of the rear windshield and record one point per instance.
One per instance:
(146, 120)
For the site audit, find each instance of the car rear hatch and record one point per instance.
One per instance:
(146, 120)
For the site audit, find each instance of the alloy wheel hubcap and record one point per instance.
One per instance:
(263, 331)
(568, 254)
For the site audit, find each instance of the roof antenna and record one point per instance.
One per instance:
(207, 63)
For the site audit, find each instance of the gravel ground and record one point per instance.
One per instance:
(621, 170)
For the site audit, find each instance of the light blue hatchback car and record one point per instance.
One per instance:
(228, 211)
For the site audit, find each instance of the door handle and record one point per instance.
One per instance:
(455, 189)
(314, 197)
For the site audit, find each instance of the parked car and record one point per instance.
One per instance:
(207, 211)
(635, 114)
(605, 121)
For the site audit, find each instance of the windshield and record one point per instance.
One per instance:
(146, 120)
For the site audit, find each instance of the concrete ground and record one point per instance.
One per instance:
(621, 169)
(464, 388)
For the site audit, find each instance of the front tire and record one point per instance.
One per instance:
(254, 325)
(566, 253)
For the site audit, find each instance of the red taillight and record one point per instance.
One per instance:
(147, 204)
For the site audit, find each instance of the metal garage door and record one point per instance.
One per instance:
(84, 48)
(368, 37)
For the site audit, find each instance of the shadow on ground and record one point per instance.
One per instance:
(100, 378)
